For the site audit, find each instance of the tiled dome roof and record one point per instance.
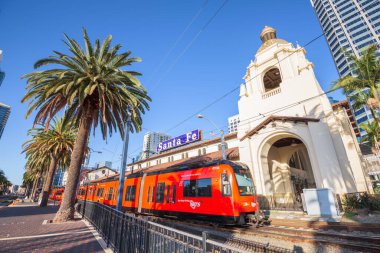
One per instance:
(268, 37)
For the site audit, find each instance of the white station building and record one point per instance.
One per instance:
(289, 135)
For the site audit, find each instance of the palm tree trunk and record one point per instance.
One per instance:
(44, 196)
(34, 189)
(66, 210)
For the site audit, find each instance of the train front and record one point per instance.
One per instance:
(245, 198)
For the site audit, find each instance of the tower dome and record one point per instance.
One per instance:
(269, 37)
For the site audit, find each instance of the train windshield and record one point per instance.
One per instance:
(244, 181)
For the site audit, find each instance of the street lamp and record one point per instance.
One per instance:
(90, 150)
(223, 143)
(124, 159)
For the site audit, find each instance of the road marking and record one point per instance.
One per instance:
(44, 222)
(44, 235)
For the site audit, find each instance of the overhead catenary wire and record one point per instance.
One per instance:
(245, 82)
(234, 89)
(182, 34)
(190, 44)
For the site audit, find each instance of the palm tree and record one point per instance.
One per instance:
(37, 163)
(4, 182)
(366, 77)
(57, 144)
(96, 91)
(373, 134)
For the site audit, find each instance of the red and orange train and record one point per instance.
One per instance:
(219, 191)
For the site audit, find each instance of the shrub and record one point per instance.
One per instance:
(356, 201)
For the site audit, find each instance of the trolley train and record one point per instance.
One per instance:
(219, 191)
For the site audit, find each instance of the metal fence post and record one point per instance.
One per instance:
(204, 241)
(146, 243)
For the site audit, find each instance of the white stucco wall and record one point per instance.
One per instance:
(331, 147)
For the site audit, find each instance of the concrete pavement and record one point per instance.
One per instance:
(25, 227)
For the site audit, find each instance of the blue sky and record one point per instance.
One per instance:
(204, 65)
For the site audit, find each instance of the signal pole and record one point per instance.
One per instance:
(124, 160)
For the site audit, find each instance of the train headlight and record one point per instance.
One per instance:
(253, 204)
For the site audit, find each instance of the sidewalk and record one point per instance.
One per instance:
(25, 228)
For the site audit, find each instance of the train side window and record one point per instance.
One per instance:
(197, 188)
(160, 193)
(110, 193)
(100, 192)
(148, 194)
(130, 193)
(133, 193)
(174, 193)
(168, 194)
(153, 194)
(226, 186)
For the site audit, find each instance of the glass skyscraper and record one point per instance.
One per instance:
(4, 115)
(350, 25)
(2, 73)
(4, 109)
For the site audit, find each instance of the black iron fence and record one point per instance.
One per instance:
(126, 233)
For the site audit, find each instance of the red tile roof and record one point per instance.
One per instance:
(277, 118)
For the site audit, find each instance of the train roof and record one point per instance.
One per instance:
(183, 164)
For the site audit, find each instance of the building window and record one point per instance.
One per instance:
(272, 79)
(203, 151)
(197, 188)
(220, 146)
(199, 152)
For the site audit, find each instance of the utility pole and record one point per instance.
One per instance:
(124, 159)
(222, 141)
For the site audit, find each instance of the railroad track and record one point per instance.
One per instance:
(339, 237)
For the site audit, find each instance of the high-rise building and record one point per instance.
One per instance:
(350, 25)
(58, 177)
(2, 73)
(233, 123)
(4, 115)
(151, 140)
(103, 164)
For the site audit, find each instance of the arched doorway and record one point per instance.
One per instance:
(287, 170)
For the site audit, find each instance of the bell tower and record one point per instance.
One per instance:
(279, 76)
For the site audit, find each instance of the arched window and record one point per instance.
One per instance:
(220, 146)
(272, 79)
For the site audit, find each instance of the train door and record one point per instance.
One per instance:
(141, 192)
(100, 193)
(148, 202)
